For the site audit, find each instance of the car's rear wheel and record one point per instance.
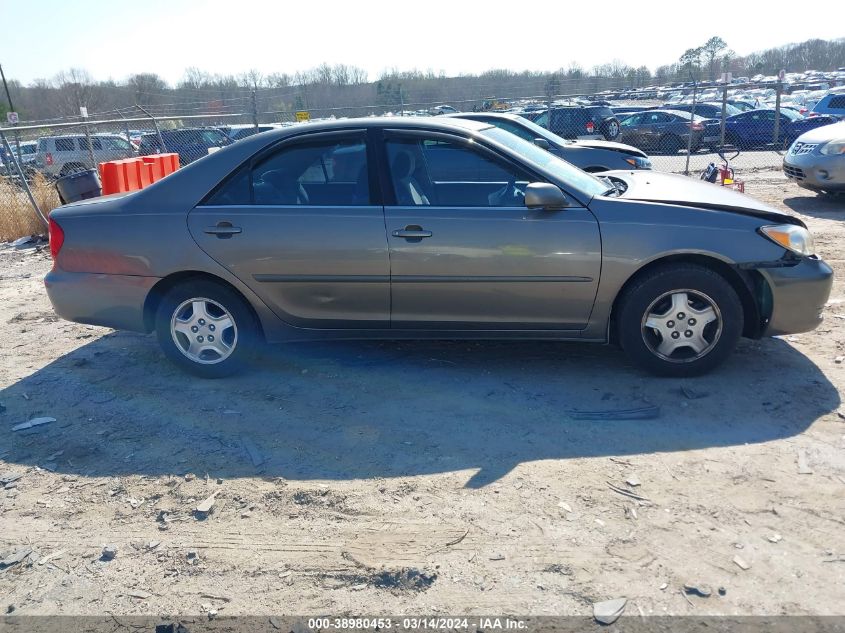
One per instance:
(679, 321)
(206, 328)
(611, 129)
(670, 144)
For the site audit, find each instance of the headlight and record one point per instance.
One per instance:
(793, 238)
(638, 162)
(834, 147)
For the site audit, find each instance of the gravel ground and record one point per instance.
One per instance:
(442, 478)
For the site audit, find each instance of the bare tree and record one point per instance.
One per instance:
(710, 51)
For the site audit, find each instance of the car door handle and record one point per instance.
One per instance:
(223, 230)
(412, 232)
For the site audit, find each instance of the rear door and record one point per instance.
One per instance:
(465, 252)
(298, 225)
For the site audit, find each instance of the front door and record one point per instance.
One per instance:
(465, 253)
(298, 226)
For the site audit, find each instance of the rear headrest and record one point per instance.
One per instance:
(403, 165)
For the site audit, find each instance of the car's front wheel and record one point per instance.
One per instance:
(679, 321)
(206, 328)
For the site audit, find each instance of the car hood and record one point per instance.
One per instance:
(609, 145)
(651, 186)
(824, 133)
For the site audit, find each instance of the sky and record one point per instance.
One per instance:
(114, 39)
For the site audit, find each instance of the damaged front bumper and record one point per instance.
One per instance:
(795, 295)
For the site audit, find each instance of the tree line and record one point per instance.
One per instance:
(347, 90)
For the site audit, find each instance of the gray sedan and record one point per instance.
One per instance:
(431, 228)
(589, 155)
(816, 160)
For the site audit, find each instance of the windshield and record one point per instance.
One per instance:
(563, 171)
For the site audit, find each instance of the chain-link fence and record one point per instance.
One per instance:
(682, 130)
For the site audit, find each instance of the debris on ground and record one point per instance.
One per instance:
(608, 611)
(741, 563)
(627, 493)
(109, 552)
(32, 423)
(205, 506)
(692, 394)
(7, 559)
(53, 556)
(8, 477)
(633, 482)
(775, 538)
(697, 590)
(642, 413)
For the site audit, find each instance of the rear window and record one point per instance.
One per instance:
(605, 112)
(837, 102)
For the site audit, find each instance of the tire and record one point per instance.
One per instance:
(670, 144)
(232, 345)
(694, 291)
(611, 129)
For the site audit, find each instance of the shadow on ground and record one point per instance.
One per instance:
(818, 206)
(389, 409)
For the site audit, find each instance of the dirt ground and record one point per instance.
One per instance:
(437, 478)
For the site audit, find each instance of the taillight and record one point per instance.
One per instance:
(49, 158)
(57, 238)
(590, 127)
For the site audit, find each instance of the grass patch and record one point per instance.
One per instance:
(17, 217)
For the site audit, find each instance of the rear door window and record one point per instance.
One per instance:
(325, 172)
(65, 145)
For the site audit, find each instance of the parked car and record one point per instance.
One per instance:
(245, 130)
(705, 110)
(442, 109)
(578, 121)
(63, 155)
(592, 155)
(665, 131)
(756, 128)
(832, 103)
(434, 228)
(189, 143)
(816, 160)
(26, 157)
(742, 106)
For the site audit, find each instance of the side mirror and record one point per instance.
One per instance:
(542, 195)
(542, 143)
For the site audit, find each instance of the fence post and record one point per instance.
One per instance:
(22, 176)
(90, 146)
(776, 132)
(691, 121)
(724, 114)
(155, 125)
(254, 111)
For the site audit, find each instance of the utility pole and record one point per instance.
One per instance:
(12, 109)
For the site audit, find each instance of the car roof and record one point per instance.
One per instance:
(477, 116)
(96, 134)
